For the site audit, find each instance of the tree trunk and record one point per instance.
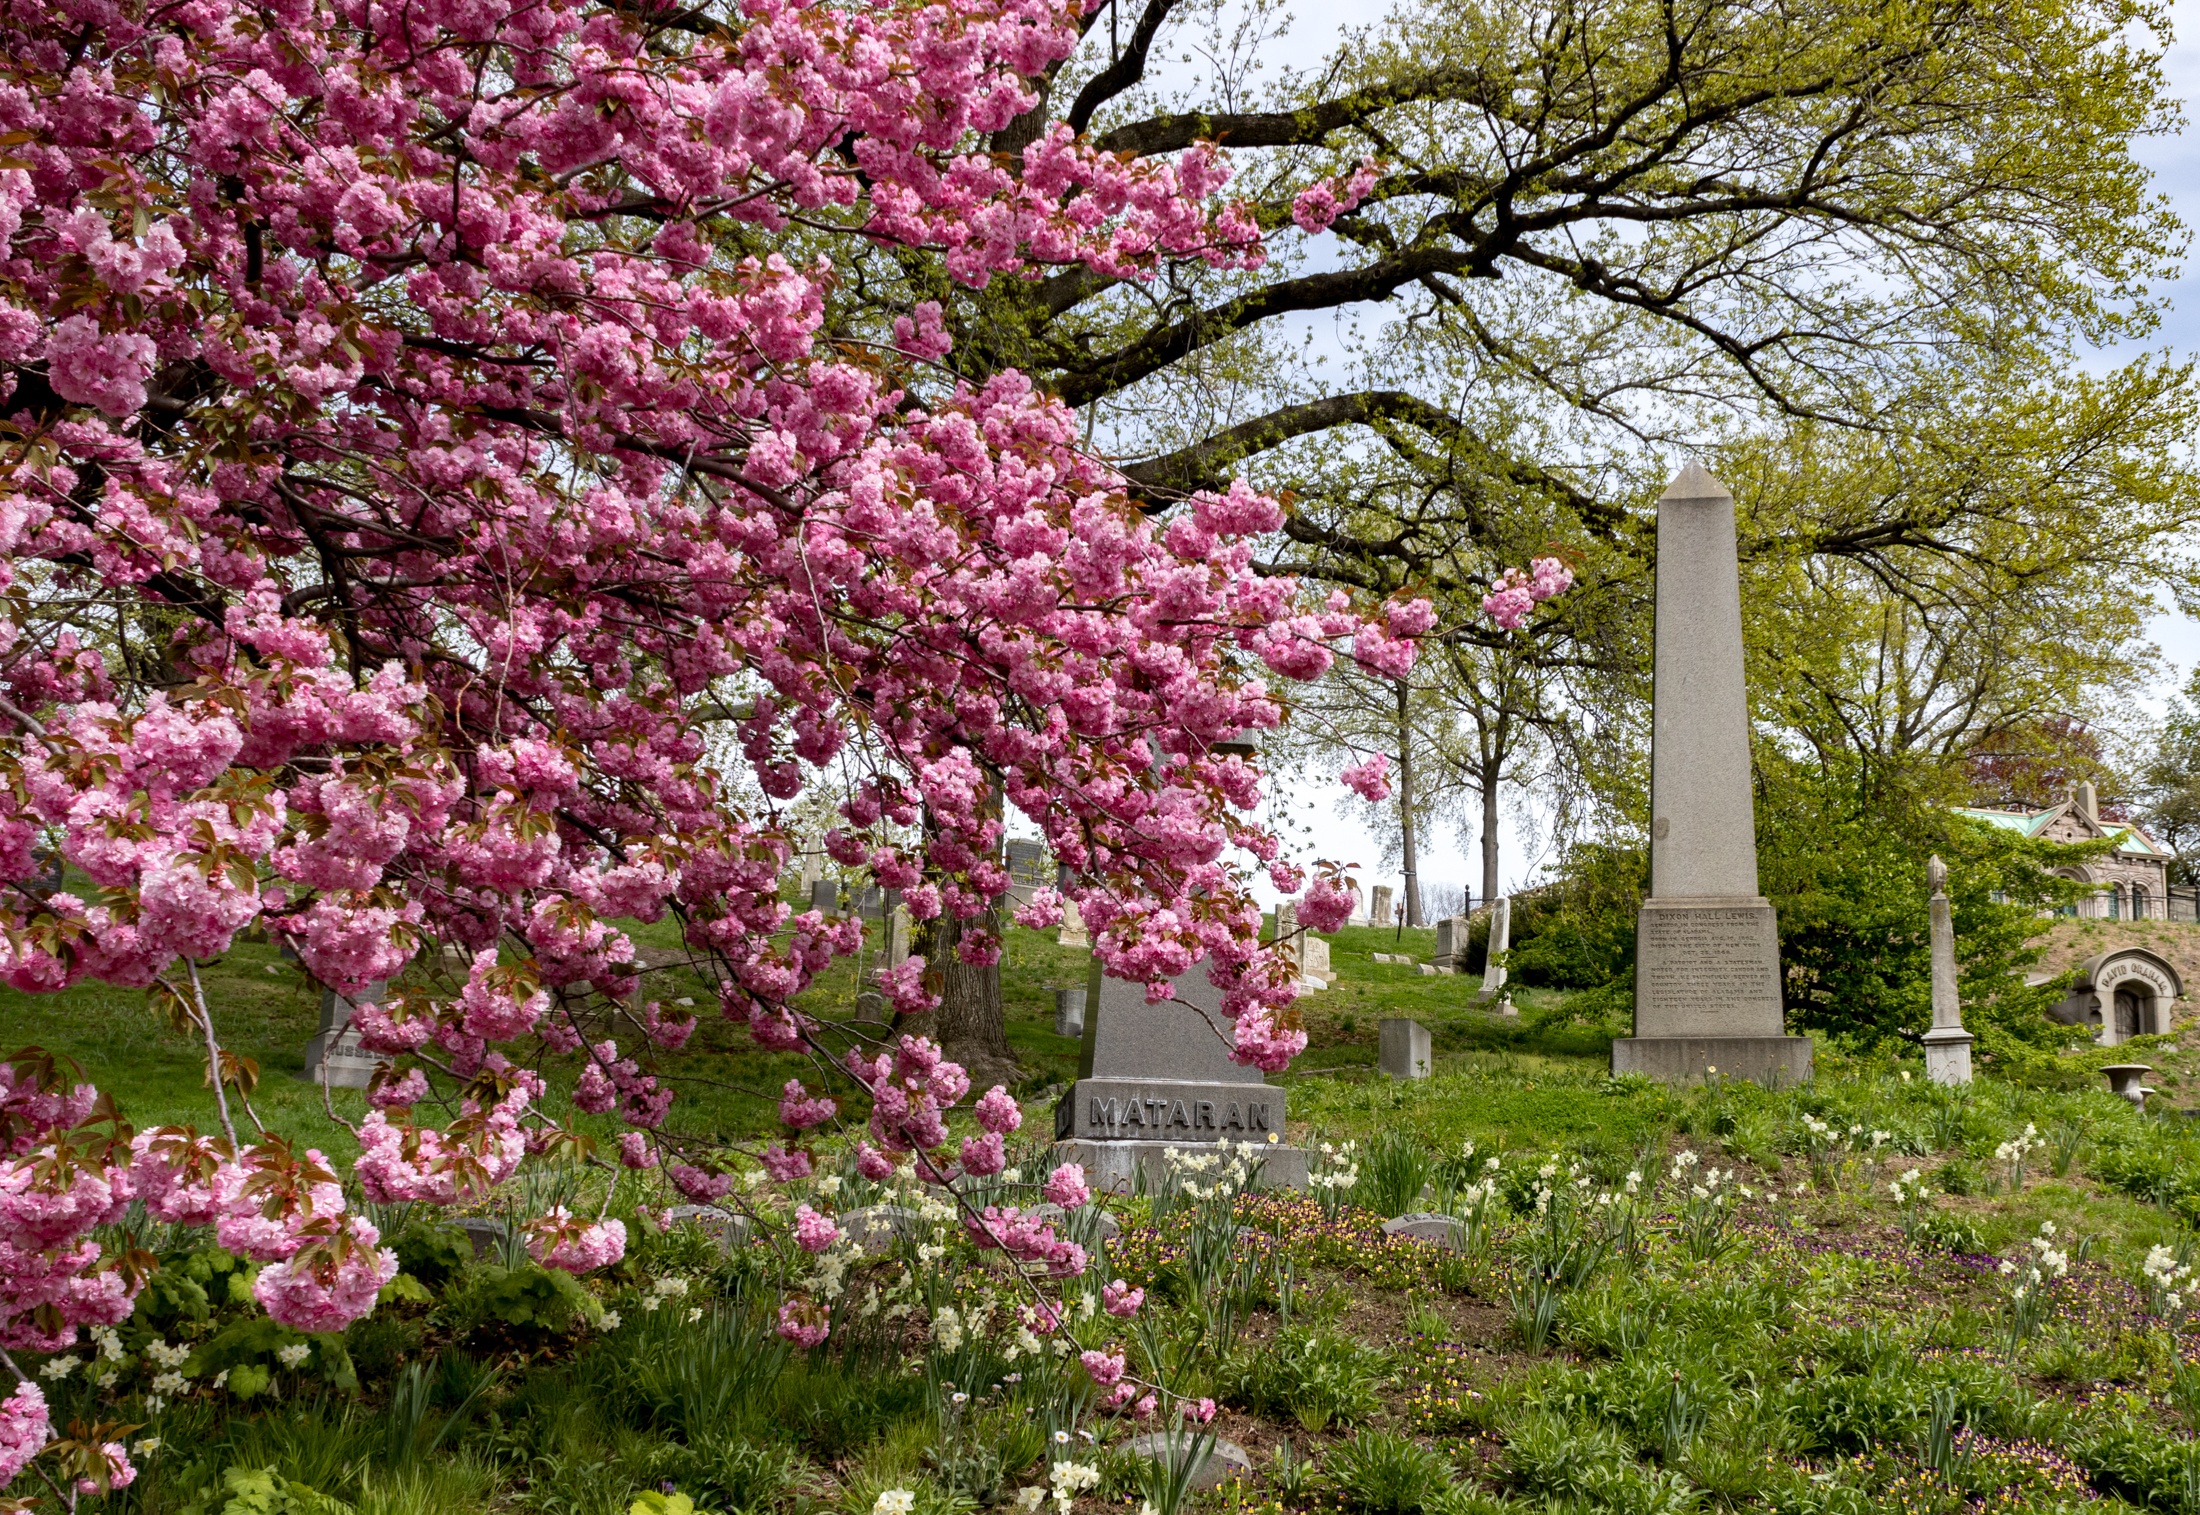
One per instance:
(1489, 836)
(971, 1025)
(1411, 904)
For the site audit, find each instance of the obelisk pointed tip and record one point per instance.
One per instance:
(1695, 483)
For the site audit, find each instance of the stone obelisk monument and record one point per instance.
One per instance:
(1707, 949)
(1947, 1045)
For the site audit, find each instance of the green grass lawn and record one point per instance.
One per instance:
(266, 1010)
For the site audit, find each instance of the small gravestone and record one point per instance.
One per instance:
(1358, 917)
(1451, 942)
(875, 1227)
(1947, 1045)
(871, 904)
(1379, 913)
(1314, 963)
(871, 1008)
(1424, 1225)
(1069, 1012)
(824, 896)
(333, 1055)
(895, 938)
(1406, 1051)
(483, 1234)
(729, 1231)
(1289, 937)
(1226, 1461)
(1493, 975)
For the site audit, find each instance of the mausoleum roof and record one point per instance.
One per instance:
(2128, 837)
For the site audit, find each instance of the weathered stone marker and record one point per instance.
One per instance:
(1707, 949)
(1947, 1045)
(1451, 941)
(1069, 1012)
(333, 1054)
(824, 896)
(1379, 912)
(1493, 975)
(1403, 1049)
(1152, 1077)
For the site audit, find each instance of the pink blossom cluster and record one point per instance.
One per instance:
(24, 1429)
(1518, 591)
(560, 1239)
(471, 520)
(1027, 1238)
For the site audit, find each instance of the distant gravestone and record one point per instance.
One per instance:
(1947, 1045)
(1451, 941)
(1379, 913)
(333, 1055)
(730, 1231)
(1226, 1461)
(894, 940)
(812, 869)
(1422, 1225)
(1707, 947)
(1493, 976)
(1314, 963)
(871, 904)
(1152, 1077)
(1069, 1012)
(824, 896)
(1358, 917)
(1404, 1049)
(874, 1228)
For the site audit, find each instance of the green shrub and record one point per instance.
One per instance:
(1314, 1375)
(528, 1305)
(1383, 1473)
(1393, 1173)
(260, 1491)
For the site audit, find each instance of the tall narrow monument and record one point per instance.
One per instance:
(1947, 1045)
(1707, 949)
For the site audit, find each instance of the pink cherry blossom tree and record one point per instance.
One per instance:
(418, 441)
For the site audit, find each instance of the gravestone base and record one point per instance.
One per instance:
(1114, 1167)
(1771, 1062)
(341, 1062)
(1948, 1055)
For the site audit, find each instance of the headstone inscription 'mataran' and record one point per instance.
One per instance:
(1707, 948)
(1152, 1077)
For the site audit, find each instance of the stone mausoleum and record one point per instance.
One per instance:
(2130, 884)
(2119, 994)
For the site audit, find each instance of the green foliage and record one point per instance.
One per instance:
(1316, 1375)
(530, 1304)
(433, 1254)
(1395, 1170)
(260, 1491)
(1845, 868)
(1383, 1473)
